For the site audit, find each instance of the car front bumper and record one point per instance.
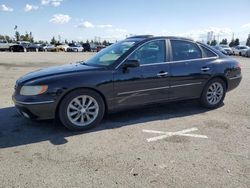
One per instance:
(35, 110)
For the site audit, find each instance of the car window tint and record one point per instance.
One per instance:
(110, 54)
(207, 52)
(184, 50)
(152, 52)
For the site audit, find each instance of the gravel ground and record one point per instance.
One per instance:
(117, 154)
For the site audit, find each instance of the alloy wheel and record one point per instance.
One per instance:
(82, 110)
(215, 93)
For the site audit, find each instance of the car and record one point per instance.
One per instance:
(100, 47)
(21, 46)
(227, 49)
(74, 47)
(86, 47)
(49, 48)
(220, 49)
(244, 52)
(5, 45)
(61, 47)
(247, 53)
(134, 72)
(239, 49)
(34, 47)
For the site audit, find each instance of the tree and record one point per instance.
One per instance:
(105, 43)
(248, 40)
(213, 43)
(26, 37)
(208, 42)
(53, 41)
(231, 44)
(224, 41)
(87, 41)
(17, 36)
(66, 42)
(236, 42)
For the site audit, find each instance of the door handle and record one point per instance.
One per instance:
(162, 74)
(205, 69)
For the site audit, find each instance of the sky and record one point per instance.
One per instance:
(115, 19)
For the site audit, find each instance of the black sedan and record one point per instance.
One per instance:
(137, 71)
(24, 46)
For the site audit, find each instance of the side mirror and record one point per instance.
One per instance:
(131, 64)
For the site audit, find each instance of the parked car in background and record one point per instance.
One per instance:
(130, 73)
(34, 47)
(247, 53)
(74, 47)
(237, 50)
(86, 47)
(61, 47)
(100, 47)
(49, 48)
(21, 46)
(244, 51)
(92, 47)
(227, 49)
(220, 49)
(5, 45)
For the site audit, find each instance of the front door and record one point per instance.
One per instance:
(147, 83)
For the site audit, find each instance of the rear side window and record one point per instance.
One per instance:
(207, 52)
(184, 50)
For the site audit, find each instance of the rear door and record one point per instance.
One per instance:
(147, 83)
(189, 69)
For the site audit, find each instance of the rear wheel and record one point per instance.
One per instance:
(81, 109)
(213, 94)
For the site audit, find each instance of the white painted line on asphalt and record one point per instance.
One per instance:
(169, 134)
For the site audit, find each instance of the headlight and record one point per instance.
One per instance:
(33, 90)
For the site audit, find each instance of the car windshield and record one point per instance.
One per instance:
(109, 55)
(224, 46)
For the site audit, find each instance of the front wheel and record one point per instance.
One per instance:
(81, 109)
(213, 94)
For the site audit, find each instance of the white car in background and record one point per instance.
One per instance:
(246, 53)
(74, 47)
(227, 49)
(238, 50)
(61, 47)
(49, 48)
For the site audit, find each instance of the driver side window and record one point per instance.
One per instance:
(152, 52)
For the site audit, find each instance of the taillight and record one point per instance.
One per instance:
(239, 66)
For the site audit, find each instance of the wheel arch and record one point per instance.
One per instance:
(222, 77)
(75, 89)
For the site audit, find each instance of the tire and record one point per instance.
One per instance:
(240, 54)
(70, 109)
(209, 94)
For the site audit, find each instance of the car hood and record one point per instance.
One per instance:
(56, 70)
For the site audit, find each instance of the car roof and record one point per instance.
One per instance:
(152, 37)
